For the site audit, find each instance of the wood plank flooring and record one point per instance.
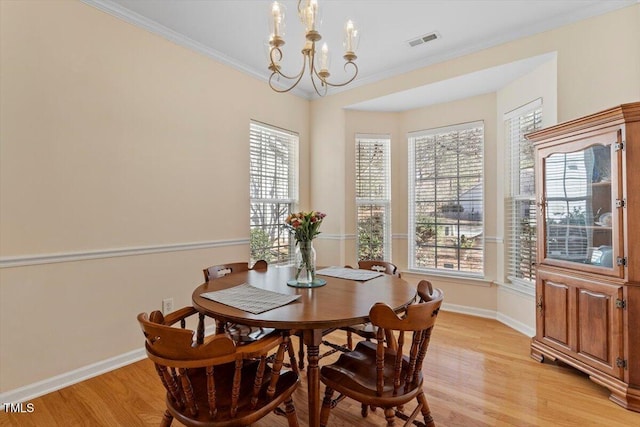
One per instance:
(478, 373)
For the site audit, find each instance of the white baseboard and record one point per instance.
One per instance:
(31, 391)
(472, 311)
(516, 324)
(490, 314)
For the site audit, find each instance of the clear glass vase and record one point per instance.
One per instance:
(305, 262)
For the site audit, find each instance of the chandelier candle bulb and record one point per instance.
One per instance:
(324, 58)
(350, 30)
(309, 15)
(277, 13)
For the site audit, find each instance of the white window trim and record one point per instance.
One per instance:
(386, 202)
(292, 200)
(411, 136)
(523, 285)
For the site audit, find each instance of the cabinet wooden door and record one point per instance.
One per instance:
(554, 320)
(599, 328)
(583, 317)
(581, 204)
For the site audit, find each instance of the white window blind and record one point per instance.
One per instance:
(521, 203)
(273, 191)
(446, 200)
(373, 197)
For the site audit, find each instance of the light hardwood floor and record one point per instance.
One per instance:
(478, 373)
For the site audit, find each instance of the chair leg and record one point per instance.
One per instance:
(167, 419)
(290, 412)
(200, 330)
(426, 412)
(301, 353)
(364, 410)
(349, 340)
(326, 407)
(292, 358)
(390, 416)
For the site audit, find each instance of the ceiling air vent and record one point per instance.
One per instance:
(423, 39)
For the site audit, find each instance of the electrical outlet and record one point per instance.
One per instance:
(167, 305)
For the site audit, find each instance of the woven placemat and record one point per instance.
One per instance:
(349, 273)
(249, 298)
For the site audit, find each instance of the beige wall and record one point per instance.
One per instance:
(461, 292)
(112, 139)
(596, 67)
(358, 122)
(539, 83)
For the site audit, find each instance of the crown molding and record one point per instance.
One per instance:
(140, 21)
(591, 11)
(152, 26)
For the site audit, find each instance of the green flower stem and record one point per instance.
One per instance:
(307, 258)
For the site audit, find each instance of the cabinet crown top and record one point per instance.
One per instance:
(625, 113)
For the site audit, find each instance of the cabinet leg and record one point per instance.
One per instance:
(537, 355)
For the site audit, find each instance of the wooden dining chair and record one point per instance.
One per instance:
(381, 374)
(367, 330)
(240, 333)
(380, 266)
(217, 271)
(217, 382)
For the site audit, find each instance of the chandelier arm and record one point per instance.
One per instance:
(283, 90)
(276, 68)
(297, 78)
(355, 74)
(313, 73)
(315, 87)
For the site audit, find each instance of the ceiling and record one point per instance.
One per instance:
(235, 32)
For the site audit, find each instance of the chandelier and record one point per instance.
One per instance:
(318, 67)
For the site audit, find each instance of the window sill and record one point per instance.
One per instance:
(518, 288)
(458, 279)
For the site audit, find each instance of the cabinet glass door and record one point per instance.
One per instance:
(579, 205)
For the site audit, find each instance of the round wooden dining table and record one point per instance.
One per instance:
(339, 303)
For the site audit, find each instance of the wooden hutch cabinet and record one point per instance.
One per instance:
(588, 259)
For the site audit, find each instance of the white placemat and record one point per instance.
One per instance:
(249, 298)
(349, 273)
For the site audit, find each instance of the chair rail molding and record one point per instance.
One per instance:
(327, 236)
(494, 239)
(25, 260)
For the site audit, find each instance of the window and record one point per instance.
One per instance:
(521, 204)
(446, 199)
(273, 187)
(373, 197)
